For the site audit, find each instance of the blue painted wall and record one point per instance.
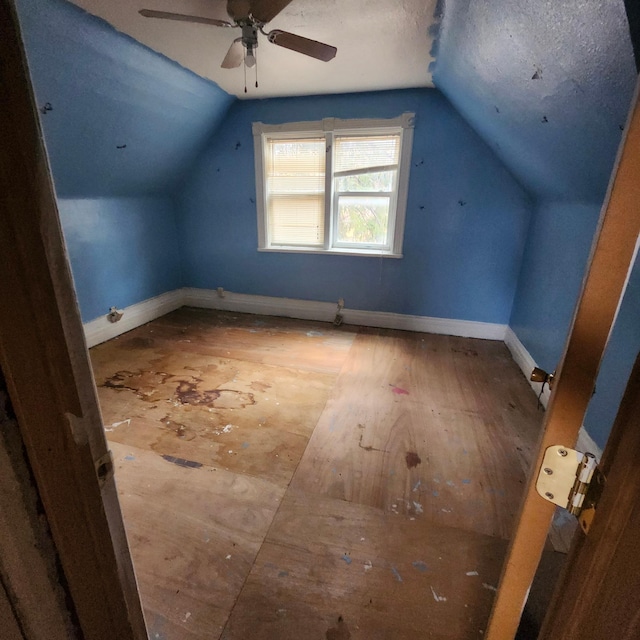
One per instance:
(547, 84)
(465, 228)
(106, 90)
(122, 250)
(556, 255)
(558, 246)
(624, 345)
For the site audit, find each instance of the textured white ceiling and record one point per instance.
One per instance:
(382, 44)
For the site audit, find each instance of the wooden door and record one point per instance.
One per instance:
(10, 625)
(44, 359)
(598, 596)
(611, 258)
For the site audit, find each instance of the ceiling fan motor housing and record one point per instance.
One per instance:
(249, 37)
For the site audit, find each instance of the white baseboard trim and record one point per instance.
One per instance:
(326, 311)
(260, 305)
(426, 324)
(101, 330)
(526, 363)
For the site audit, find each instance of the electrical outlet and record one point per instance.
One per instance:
(340, 303)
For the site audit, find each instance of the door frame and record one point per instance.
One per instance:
(598, 593)
(612, 257)
(45, 362)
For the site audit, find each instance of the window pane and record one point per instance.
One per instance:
(294, 183)
(380, 181)
(362, 152)
(362, 220)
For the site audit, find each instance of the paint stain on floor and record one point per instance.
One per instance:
(339, 632)
(143, 383)
(181, 462)
(399, 391)
(396, 574)
(412, 459)
(187, 393)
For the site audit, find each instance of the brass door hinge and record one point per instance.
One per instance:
(573, 481)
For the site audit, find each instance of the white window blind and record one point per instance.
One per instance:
(365, 154)
(295, 186)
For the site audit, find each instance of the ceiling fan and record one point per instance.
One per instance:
(251, 16)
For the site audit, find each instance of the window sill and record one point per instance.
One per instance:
(363, 253)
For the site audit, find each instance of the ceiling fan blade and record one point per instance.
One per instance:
(266, 10)
(234, 56)
(166, 15)
(238, 9)
(313, 48)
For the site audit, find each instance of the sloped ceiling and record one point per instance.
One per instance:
(381, 44)
(119, 120)
(548, 85)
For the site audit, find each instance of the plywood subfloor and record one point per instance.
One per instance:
(283, 479)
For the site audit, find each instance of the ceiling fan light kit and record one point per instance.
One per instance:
(251, 16)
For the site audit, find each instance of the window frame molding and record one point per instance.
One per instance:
(403, 124)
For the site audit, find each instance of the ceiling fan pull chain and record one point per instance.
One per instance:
(256, 70)
(244, 66)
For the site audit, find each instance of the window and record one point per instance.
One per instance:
(335, 186)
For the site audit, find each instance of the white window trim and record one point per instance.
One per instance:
(404, 124)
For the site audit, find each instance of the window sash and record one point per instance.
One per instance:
(364, 154)
(369, 226)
